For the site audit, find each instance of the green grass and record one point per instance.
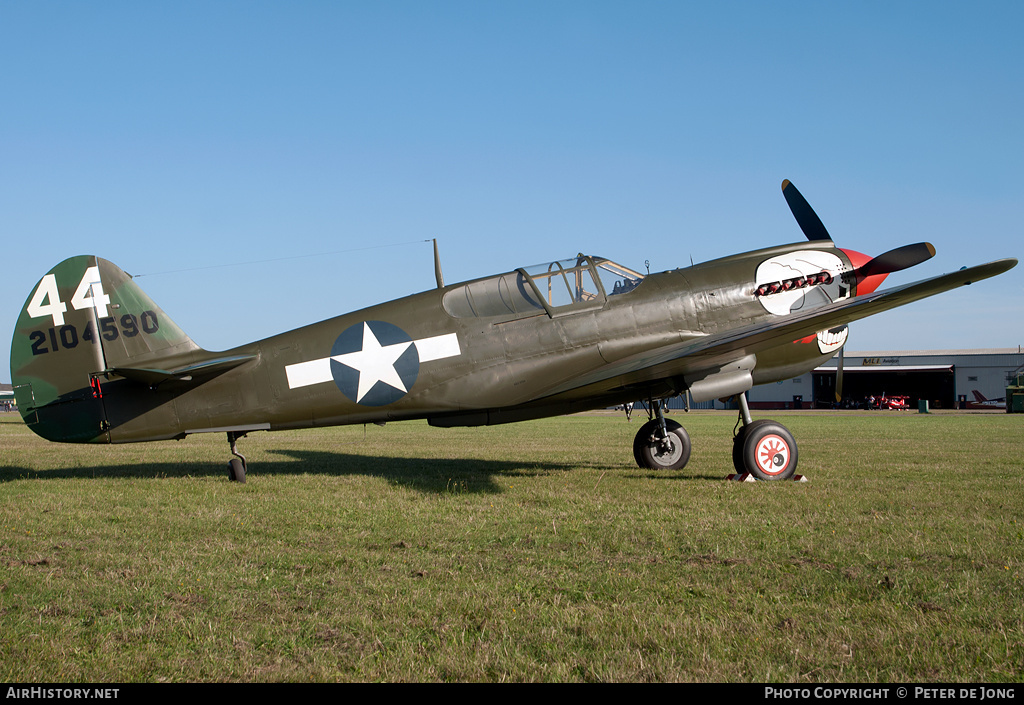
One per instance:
(530, 552)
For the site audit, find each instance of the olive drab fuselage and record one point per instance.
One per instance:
(499, 366)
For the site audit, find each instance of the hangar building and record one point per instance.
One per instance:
(947, 379)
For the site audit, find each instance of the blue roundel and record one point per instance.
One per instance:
(374, 363)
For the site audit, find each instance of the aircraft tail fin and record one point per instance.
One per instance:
(978, 396)
(85, 320)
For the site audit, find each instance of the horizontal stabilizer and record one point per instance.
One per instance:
(153, 376)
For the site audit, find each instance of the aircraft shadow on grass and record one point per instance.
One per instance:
(432, 475)
(429, 475)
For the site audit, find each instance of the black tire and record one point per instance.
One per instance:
(236, 470)
(769, 451)
(652, 453)
(737, 444)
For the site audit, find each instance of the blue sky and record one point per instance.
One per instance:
(327, 141)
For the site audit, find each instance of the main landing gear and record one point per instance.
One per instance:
(764, 449)
(236, 466)
(661, 444)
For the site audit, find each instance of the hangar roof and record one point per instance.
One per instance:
(931, 353)
(887, 368)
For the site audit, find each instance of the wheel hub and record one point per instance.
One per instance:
(666, 451)
(772, 454)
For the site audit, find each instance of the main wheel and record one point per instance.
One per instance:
(737, 444)
(669, 453)
(768, 451)
(236, 470)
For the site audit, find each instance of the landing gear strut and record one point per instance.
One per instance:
(661, 444)
(236, 466)
(765, 449)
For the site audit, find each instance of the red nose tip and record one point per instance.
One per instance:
(865, 285)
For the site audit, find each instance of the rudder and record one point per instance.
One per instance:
(85, 318)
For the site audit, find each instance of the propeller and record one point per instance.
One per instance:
(900, 258)
(868, 271)
(805, 216)
(871, 271)
(839, 377)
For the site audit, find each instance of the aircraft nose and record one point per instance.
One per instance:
(865, 285)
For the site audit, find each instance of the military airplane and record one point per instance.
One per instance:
(95, 360)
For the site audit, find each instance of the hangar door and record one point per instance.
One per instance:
(935, 383)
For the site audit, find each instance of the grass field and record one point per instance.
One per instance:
(531, 552)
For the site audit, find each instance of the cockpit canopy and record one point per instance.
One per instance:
(555, 288)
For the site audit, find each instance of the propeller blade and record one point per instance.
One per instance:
(805, 216)
(900, 258)
(839, 377)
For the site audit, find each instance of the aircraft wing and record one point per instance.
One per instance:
(707, 352)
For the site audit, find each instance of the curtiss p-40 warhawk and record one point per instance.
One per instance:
(95, 360)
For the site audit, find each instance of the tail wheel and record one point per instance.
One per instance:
(236, 466)
(236, 470)
(655, 453)
(767, 450)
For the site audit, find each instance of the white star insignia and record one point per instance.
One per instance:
(375, 363)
